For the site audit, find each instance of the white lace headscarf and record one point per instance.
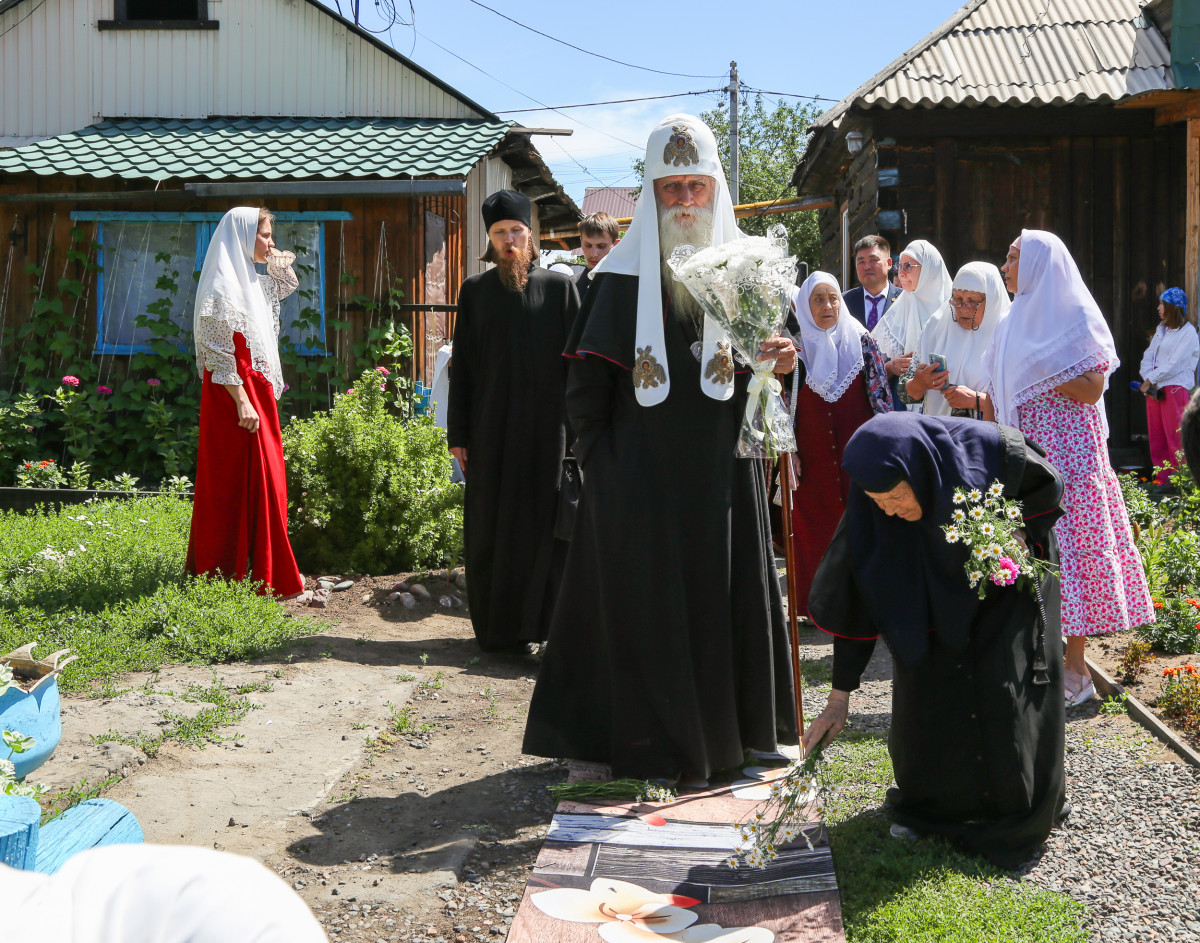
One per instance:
(229, 291)
(1054, 331)
(680, 144)
(900, 328)
(832, 357)
(964, 347)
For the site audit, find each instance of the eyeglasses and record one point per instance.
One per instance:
(969, 305)
(909, 266)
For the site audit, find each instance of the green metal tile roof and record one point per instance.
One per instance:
(270, 148)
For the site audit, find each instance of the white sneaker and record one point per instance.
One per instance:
(904, 832)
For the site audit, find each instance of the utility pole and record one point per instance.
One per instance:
(733, 133)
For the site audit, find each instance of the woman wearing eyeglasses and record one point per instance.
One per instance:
(959, 333)
(926, 288)
(1048, 366)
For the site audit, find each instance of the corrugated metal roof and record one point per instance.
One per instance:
(1042, 52)
(615, 201)
(271, 148)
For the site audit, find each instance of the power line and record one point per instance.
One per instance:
(763, 91)
(615, 101)
(679, 75)
(513, 88)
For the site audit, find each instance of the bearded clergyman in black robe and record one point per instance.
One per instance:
(668, 655)
(506, 425)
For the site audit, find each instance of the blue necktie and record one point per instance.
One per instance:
(873, 314)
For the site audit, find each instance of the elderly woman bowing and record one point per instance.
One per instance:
(844, 384)
(977, 706)
(960, 333)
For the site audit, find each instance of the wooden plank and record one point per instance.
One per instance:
(1192, 230)
(91, 824)
(1121, 397)
(1083, 167)
(19, 818)
(1187, 109)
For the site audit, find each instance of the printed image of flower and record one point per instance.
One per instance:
(626, 912)
(154, 381)
(104, 390)
(71, 381)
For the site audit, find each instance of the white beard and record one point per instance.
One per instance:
(678, 226)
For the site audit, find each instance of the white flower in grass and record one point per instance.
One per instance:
(959, 515)
(975, 494)
(976, 514)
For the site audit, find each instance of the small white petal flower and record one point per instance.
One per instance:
(951, 535)
(975, 494)
(996, 489)
(976, 514)
(959, 515)
(959, 497)
(988, 530)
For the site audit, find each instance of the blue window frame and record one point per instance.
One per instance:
(137, 250)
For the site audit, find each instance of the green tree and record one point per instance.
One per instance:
(771, 142)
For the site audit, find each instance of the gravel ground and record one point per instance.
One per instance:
(1130, 850)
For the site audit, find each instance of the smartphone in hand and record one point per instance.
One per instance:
(939, 363)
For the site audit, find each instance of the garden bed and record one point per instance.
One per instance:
(26, 499)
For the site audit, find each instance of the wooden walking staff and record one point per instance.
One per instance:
(789, 556)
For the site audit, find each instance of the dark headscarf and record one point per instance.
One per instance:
(910, 578)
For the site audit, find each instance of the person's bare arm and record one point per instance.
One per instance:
(247, 414)
(1086, 388)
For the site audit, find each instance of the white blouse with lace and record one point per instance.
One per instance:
(214, 336)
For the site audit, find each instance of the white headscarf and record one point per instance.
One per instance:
(229, 291)
(680, 144)
(900, 328)
(1054, 331)
(963, 347)
(832, 357)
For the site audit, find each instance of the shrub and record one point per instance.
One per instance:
(367, 491)
(1176, 630)
(1135, 656)
(1180, 698)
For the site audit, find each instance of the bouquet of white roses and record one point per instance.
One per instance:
(990, 525)
(743, 286)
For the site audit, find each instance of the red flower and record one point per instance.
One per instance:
(1158, 605)
(71, 381)
(45, 462)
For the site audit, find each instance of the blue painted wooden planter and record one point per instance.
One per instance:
(19, 818)
(91, 824)
(35, 714)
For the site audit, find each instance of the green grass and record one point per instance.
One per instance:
(926, 890)
(107, 581)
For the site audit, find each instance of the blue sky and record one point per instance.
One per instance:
(802, 47)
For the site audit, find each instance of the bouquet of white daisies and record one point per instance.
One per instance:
(990, 525)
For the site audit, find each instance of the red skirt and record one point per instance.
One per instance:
(239, 518)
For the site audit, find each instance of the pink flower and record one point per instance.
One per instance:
(154, 381)
(384, 371)
(71, 381)
(350, 392)
(383, 386)
(1006, 573)
(286, 387)
(104, 390)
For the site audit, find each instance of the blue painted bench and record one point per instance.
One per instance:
(91, 824)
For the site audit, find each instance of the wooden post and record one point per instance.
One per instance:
(789, 556)
(1192, 259)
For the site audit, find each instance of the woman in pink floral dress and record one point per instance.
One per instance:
(1049, 364)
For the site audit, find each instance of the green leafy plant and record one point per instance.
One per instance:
(1176, 629)
(20, 418)
(1134, 658)
(1180, 698)
(42, 474)
(368, 491)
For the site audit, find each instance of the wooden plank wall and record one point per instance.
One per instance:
(382, 243)
(1117, 201)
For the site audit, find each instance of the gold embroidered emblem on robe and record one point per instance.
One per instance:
(720, 366)
(681, 148)
(647, 371)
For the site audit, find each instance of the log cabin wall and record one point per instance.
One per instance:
(418, 242)
(1117, 201)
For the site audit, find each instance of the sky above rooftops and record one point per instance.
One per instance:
(809, 47)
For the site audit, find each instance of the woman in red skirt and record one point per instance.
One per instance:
(845, 383)
(239, 521)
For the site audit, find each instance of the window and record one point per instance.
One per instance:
(159, 14)
(151, 260)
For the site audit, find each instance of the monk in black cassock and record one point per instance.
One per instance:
(668, 655)
(977, 733)
(506, 425)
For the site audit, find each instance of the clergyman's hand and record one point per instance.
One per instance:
(829, 722)
(460, 453)
(782, 351)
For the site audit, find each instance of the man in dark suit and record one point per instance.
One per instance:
(875, 294)
(598, 233)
